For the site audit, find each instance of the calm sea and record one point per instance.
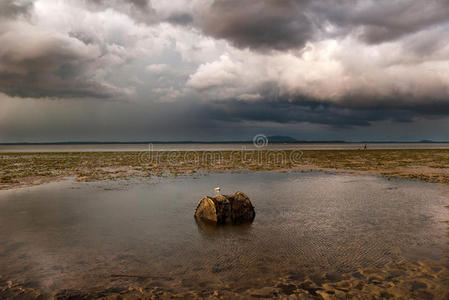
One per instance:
(212, 147)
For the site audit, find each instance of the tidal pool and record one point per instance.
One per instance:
(113, 235)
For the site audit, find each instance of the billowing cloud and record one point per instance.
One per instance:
(287, 24)
(335, 63)
(14, 8)
(265, 24)
(66, 54)
(327, 72)
(381, 20)
(52, 65)
(140, 10)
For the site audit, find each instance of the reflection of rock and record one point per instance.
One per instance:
(209, 230)
(223, 209)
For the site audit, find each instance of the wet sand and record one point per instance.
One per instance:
(25, 169)
(403, 280)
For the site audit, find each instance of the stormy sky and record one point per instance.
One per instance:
(128, 70)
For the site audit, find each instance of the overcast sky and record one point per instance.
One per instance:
(80, 70)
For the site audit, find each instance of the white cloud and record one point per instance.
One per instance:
(157, 68)
(329, 70)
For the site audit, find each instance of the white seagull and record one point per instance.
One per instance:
(217, 190)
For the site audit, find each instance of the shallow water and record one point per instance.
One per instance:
(112, 234)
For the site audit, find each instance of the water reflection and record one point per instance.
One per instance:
(212, 231)
(78, 235)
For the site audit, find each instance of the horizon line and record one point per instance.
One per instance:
(215, 142)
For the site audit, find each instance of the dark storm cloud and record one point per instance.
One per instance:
(57, 66)
(47, 85)
(265, 24)
(349, 112)
(143, 11)
(139, 10)
(187, 120)
(382, 20)
(41, 60)
(310, 111)
(141, 4)
(144, 4)
(180, 19)
(287, 24)
(14, 8)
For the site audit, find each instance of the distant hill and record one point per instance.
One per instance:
(281, 139)
(428, 141)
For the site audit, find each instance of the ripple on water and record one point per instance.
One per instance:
(308, 226)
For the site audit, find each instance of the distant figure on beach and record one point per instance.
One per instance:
(364, 147)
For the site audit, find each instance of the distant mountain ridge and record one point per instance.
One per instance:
(281, 139)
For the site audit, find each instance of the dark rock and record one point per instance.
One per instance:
(224, 209)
